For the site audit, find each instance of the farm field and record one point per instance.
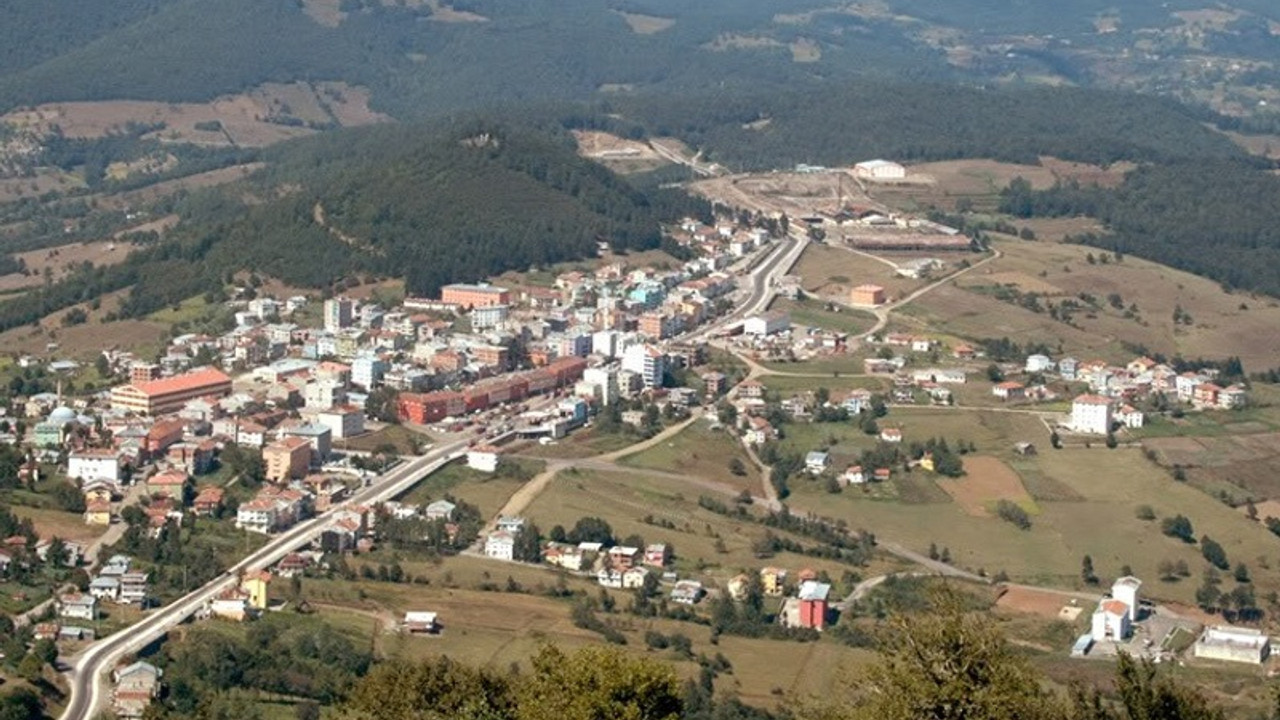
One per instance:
(701, 452)
(987, 481)
(1107, 485)
(59, 260)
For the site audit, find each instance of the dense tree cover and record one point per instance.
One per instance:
(36, 30)
(1215, 218)
(847, 122)
(278, 654)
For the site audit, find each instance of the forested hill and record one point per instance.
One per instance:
(846, 122)
(430, 204)
(438, 207)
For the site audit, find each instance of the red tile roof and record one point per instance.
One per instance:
(182, 383)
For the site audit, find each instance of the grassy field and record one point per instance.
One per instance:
(699, 451)
(1086, 501)
(582, 444)
(486, 491)
(812, 313)
(790, 385)
(57, 523)
(404, 440)
(832, 271)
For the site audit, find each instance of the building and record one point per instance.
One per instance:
(1111, 621)
(879, 170)
(867, 296)
(500, 545)
(78, 607)
(1125, 590)
(1233, 644)
(169, 483)
(649, 363)
(338, 313)
(287, 459)
(98, 512)
(687, 592)
(256, 585)
(168, 395)
(95, 464)
(483, 458)
(767, 323)
(343, 421)
(1009, 390)
(420, 622)
(472, 296)
(140, 372)
(817, 462)
(318, 437)
(1091, 414)
(208, 501)
(774, 581)
(1038, 363)
(813, 604)
(136, 686)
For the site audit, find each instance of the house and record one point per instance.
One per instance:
(879, 170)
(569, 557)
(853, 475)
(136, 686)
(483, 458)
(287, 459)
(1233, 644)
(105, 588)
(622, 557)
(817, 462)
(633, 577)
(687, 592)
(1009, 390)
(231, 604)
(657, 555)
(1067, 368)
(256, 586)
(774, 581)
(420, 622)
(1130, 417)
(510, 523)
(737, 587)
(440, 510)
(1091, 414)
(964, 352)
(891, 435)
(98, 512)
(170, 483)
(813, 604)
(133, 588)
(610, 578)
(882, 474)
(1233, 397)
(208, 501)
(99, 491)
(78, 607)
(753, 389)
(922, 344)
(500, 545)
(767, 323)
(1038, 364)
(759, 431)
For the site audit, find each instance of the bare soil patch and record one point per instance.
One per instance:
(805, 50)
(1087, 174)
(1035, 602)
(60, 260)
(982, 177)
(84, 341)
(604, 146)
(986, 481)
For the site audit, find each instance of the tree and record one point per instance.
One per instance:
(1144, 696)
(1241, 573)
(1086, 571)
(737, 467)
(592, 529)
(1178, 526)
(1214, 553)
(528, 544)
(434, 689)
(947, 665)
(994, 374)
(597, 682)
(1012, 512)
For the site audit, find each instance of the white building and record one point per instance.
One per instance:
(1111, 621)
(488, 317)
(816, 462)
(649, 363)
(483, 458)
(1233, 644)
(367, 371)
(603, 383)
(767, 323)
(1130, 417)
(323, 394)
(1039, 363)
(607, 343)
(1091, 414)
(94, 464)
(879, 170)
(500, 545)
(78, 607)
(343, 421)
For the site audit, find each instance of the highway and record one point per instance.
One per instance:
(89, 688)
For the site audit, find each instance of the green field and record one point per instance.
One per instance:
(486, 491)
(699, 451)
(787, 385)
(817, 314)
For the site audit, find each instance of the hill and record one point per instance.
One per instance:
(433, 204)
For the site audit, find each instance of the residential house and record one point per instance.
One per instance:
(500, 545)
(287, 459)
(208, 501)
(1009, 390)
(816, 462)
(774, 581)
(420, 622)
(622, 557)
(105, 588)
(853, 475)
(133, 588)
(569, 557)
(633, 578)
(1130, 417)
(657, 555)
(170, 483)
(1091, 414)
(136, 686)
(687, 592)
(98, 512)
(813, 604)
(95, 464)
(891, 435)
(76, 606)
(759, 431)
(483, 458)
(440, 510)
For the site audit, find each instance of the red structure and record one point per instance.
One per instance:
(425, 408)
(813, 604)
(473, 296)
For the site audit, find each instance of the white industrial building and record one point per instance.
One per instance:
(1233, 644)
(879, 170)
(1091, 414)
(767, 323)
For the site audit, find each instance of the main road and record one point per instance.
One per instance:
(86, 674)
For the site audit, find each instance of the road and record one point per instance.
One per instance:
(89, 692)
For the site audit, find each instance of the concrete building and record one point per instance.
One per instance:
(483, 458)
(95, 464)
(343, 421)
(168, 395)
(649, 363)
(1091, 414)
(485, 317)
(767, 323)
(367, 371)
(338, 313)
(500, 545)
(472, 296)
(813, 604)
(287, 459)
(1233, 644)
(1111, 621)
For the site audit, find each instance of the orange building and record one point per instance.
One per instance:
(473, 296)
(868, 295)
(287, 459)
(167, 395)
(144, 372)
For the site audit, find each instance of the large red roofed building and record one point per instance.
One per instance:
(167, 395)
(473, 296)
